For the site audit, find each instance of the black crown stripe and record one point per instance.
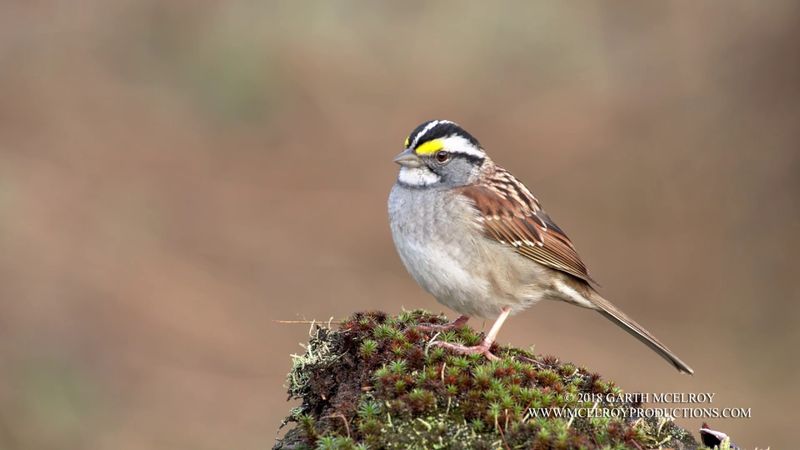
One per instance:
(443, 129)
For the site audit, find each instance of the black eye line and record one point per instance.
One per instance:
(474, 160)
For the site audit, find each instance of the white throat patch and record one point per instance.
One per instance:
(417, 176)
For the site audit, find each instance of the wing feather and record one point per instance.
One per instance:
(514, 217)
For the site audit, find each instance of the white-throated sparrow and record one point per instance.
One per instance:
(475, 237)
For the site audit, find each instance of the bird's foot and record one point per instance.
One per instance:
(482, 349)
(431, 328)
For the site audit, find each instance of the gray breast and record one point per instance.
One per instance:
(441, 245)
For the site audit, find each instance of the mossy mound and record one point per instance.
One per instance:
(376, 382)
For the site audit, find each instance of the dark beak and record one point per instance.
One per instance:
(407, 158)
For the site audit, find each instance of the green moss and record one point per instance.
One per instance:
(368, 348)
(376, 382)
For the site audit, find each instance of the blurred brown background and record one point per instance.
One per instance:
(175, 176)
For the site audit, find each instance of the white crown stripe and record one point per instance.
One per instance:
(427, 128)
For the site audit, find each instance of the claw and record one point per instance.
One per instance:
(482, 349)
(430, 328)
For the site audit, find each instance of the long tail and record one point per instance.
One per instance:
(607, 309)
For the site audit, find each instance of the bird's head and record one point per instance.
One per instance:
(439, 153)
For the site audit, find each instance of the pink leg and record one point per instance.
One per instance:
(459, 322)
(483, 347)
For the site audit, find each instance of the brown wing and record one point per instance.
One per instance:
(511, 215)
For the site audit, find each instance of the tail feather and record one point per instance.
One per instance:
(607, 309)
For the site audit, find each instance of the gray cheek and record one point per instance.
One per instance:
(457, 172)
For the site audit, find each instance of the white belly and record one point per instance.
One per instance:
(440, 272)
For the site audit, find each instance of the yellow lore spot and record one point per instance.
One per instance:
(407, 142)
(430, 147)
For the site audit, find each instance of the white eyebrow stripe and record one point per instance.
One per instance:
(459, 144)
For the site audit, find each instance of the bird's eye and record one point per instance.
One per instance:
(442, 156)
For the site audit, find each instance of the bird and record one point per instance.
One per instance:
(475, 237)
